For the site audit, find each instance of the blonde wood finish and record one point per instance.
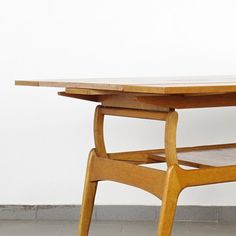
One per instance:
(169, 202)
(183, 101)
(88, 91)
(148, 179)
(155, 99)
(211, 175)
(170, 138)
(178, 179)
(214, 157)
(92, 98)
(166, 185)
(134, 102)
(157, 102)
(98, 133)
(145, 158)
(156, 85)
(138, 157)
(157, 182)
(90, 188)
(134, 113)
(204, 147)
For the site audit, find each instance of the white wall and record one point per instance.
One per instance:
(44, 138)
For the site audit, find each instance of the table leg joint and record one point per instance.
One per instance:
(206, 176)
(148, 179)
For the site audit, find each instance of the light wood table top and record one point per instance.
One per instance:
(149, 85)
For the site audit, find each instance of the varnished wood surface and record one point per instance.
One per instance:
(158, 102)
(153, 85)
(223, 156)
(148, 179)
(90, 188)
(153, 98)
(216, 157)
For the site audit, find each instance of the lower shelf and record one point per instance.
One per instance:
(205, 156)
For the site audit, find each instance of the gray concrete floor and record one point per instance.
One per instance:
(69, 228)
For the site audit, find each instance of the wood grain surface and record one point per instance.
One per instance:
(148, 85)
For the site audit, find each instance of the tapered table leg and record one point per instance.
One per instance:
(86, 212)
(169, 203)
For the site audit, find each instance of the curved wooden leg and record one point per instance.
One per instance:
(169, 203)
(90, 188)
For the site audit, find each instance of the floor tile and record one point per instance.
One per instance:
(150, 228)
(23, 228)
(210, 229)
(111, 228)
(106, 228)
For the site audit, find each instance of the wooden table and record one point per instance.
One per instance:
(156, 99)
